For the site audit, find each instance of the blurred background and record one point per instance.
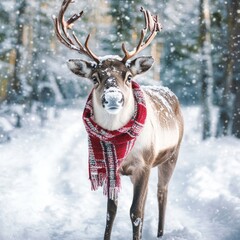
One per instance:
(196, 55)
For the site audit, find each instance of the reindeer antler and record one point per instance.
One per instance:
(61, 27)
(151, 24)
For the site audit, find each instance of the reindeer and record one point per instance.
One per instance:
(113, 107)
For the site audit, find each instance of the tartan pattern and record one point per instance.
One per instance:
(107, 149)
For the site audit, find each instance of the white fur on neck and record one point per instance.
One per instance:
(113, 121)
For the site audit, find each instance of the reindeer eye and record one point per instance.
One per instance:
(129, 78)
(95, 80)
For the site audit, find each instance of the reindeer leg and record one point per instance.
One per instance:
(111, 213)
(162, 203)
(165, 171)
(139, 199)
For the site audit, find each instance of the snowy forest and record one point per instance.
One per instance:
(196, 55)
(44, 188)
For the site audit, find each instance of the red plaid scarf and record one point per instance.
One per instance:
(107, 149)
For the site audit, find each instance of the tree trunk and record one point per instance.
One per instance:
(236, 110)
(156, 51)
(15, 91)
(236, 67)
(206, 67)
(225, 112)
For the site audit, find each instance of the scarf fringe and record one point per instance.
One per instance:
(97, 181)
(113, 193)
(110, 191)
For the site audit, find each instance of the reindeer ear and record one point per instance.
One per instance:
(141, 65)
(80, 67)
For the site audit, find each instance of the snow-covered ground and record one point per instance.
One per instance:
(45, 192)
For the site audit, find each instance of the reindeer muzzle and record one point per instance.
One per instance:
(112, 98)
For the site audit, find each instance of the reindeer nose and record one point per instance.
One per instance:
(112, 98)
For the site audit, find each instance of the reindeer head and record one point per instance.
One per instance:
(111, 78)
(111, 75)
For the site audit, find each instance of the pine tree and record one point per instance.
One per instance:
(125, 15)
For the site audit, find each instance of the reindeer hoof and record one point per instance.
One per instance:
(160, 234)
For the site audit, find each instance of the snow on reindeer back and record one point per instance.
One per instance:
(162, 94)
